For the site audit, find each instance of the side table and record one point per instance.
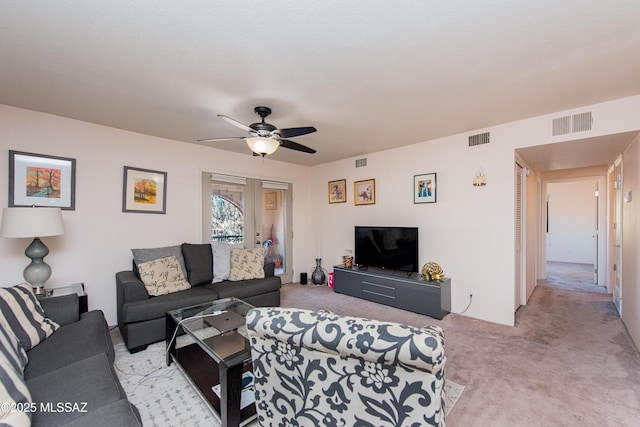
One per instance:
(76, 288)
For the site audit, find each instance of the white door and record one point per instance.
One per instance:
(596, 235)
(617, 233)
(519, 280)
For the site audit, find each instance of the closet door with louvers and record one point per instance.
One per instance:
(519, 233)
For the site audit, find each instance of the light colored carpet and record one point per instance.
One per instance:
(569, 360)
(165, 398)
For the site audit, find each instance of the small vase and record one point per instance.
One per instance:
(318, 276)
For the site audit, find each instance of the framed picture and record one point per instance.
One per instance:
(338, 191)
(144, 191)
(364, 192)
(424, 188)
(40, 180)
(271, 201)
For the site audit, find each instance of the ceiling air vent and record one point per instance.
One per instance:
(561, 125)
(582, 121)
(479, 139)
(361, 162)
(569, 124)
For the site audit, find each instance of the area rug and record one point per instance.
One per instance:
(164, 396)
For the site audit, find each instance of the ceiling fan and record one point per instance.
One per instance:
(264, 138)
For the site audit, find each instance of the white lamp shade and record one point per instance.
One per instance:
(263, 146)
(31, 222)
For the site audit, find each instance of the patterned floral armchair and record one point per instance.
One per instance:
(315, 368)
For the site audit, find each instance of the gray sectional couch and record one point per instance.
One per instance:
(141, 317)
(70, 375)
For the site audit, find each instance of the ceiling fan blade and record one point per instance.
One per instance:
(220, 139)
(293, 132)
(235, 123)
(295, 146)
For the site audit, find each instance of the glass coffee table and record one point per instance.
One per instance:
(215, 356)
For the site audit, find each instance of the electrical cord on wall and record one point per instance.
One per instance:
(468, 305)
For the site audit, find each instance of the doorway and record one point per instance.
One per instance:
(569, 276)
(575, 226)
(251, 212)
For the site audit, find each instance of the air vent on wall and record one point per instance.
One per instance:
(569, 124)
(361, 162)
(479, 139)
(582, 121)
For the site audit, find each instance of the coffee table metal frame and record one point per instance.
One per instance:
(193, 321)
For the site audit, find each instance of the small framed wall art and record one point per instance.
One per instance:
(144, 191)
(41, 180)
(271, 201)
(338, 191)
(364, 192)
(424, 188)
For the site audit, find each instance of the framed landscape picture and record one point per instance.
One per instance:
(424, 188)
(338, 191)
(364, 192)
(144, 191)
(41, 180)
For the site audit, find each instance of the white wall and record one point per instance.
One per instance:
(630, 246)
(98, 235)
(572, 221)
(457, 232)
(470, 230)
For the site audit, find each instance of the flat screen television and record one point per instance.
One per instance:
(393, 248)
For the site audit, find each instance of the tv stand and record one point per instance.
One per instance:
(407, 291)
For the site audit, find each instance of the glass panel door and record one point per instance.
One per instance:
(275, 228)
(227, 212)
(253, 212)
(274, 242)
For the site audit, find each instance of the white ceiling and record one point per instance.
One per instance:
(368, 74)
(601, 150)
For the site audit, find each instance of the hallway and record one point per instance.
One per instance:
(571, 277)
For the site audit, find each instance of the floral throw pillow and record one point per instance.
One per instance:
(246, 264)
(163, 276)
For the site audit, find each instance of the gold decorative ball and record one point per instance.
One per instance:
(432, 271)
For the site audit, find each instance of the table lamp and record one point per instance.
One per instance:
(33, 222)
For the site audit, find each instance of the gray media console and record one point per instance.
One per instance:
(395, 288)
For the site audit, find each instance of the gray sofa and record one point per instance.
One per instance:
(70, 375)
(141, 317)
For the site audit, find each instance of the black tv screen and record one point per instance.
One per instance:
(394, 248)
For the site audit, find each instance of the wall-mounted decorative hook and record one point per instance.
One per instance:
(480, 178)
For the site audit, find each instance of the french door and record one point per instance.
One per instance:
(255, 213)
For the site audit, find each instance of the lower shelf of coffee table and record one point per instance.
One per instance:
(203, 372)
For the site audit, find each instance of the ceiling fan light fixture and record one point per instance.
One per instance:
(262, 146)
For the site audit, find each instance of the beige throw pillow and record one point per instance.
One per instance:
(246, 264)
(163, 276)
(222, 259)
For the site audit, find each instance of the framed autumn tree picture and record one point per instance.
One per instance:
(144, 191)
(41, 180)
